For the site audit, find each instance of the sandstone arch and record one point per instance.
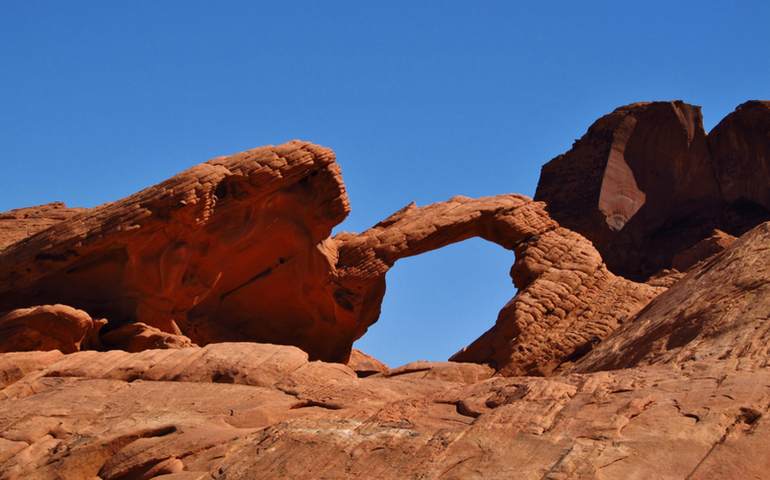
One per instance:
(238, 248)
(566, 295)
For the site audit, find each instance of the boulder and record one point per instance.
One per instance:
(136, 337)
(365, 365)
(48, 327)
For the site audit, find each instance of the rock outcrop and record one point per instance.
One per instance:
(741, 153)
(238, 249)
(231, 249)
(645, 182)
(244, 411)
(567, 302)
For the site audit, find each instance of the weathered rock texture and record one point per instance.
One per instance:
(566, 297)
(230, 249)
(20, 223)
(645, 182)
(245, 411)
(238, 249)
(567, 302)
(663, 379)
(720, 310)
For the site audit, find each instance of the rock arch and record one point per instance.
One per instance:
(566, 297)
(238, 248)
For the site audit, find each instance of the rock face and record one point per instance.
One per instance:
(244, 411)
(741, 152)
(645, 182)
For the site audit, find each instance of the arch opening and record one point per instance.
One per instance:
(438, 302)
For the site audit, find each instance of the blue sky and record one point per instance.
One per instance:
(420, 100)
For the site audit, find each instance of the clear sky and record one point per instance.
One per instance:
(421, 100)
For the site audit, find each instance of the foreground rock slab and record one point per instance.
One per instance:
(244, 411)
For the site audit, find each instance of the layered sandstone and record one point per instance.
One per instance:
(244, 411)
(21, 223)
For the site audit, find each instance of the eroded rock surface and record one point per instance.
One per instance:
(663, 379)
(229, 249)
(567, 302)
(238, 249)
(720, 310)
(566, 296)
(21, 223)
(244, 411)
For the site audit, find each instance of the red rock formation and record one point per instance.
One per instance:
(706, 248)
(365, 258)
(235, 249)
(640, 184)
(239, 248)
(567, 302)
(136, 337)
(566, 295)
(230, 249)
(365, 365)
(20, 223)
